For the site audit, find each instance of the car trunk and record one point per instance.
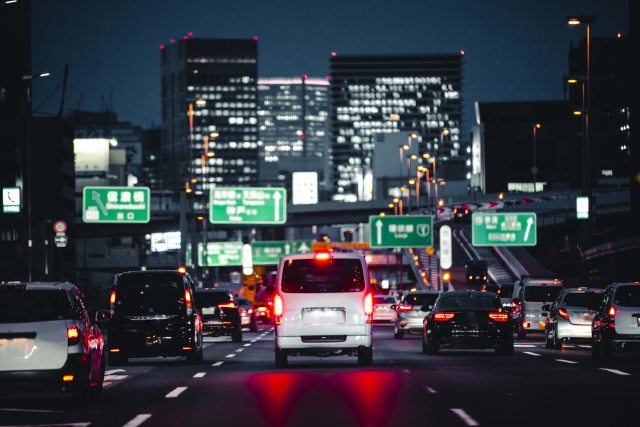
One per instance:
(33, 346)
(627, 306)
(311, 313)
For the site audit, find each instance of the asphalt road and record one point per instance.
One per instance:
(238, 385)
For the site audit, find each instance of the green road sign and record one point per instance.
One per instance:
(11, 200)
(399, 231)
(503, 229)
(264, 253)
(121, 205)
(247, 205)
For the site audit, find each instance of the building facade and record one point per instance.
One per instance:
(209, 121)
(373, 95)
(293, 119)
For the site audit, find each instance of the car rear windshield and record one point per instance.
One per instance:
(309, 276)
(506, 291)
(211, 299)
(587, 300)
(420, 299)
(34, 306)
(627, 296)
(541, 293)
(384, 300)
(243, 302)
(463, 301)
(149, 294)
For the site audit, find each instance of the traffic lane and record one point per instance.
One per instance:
(498, 390)
(460, 257)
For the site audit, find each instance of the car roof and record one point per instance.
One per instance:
(150, 272)
(221, 290)
(423, 293)
(42, 285)
(468, 293)
(336, 255)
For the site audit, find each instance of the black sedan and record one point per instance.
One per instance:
(220, 314)
(468, 319)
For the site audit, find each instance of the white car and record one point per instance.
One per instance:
(382, 308)
(323, 306)
(47, 336)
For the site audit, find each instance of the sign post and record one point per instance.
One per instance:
(247, 205)
(119, 205)
(396, 231)
(504, 229)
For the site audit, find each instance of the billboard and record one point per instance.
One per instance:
(305, 188)
(91, 156)
(162, 242)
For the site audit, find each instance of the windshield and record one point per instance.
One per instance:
(33, 306)
(149, 294)
(464, 301)
(587, 300)
(541, 293)
(628, 296)
(308, 276)
(420, 299)
(211, 299)
(384, 300)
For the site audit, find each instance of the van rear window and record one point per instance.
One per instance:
(627, 296)
(149, 294)
(34, 306)
(308, 276)
(541, 293)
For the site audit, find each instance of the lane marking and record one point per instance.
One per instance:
(407, 371)
(217, 364)
(524, 345)
(430, 390)
(113, 371)
(565, 361)
(239, 350)
(139, 419)
(531, 354)
(615, 371)
(464, 417)
(584, 346)
(230, 355)
(54, 425)
(254, 340)
(115, 377)
(176, 392)
(246, 345)
(200, 375)
(568, 345)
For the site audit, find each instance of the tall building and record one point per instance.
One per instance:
(209, 121)
(373, 95)
(293, 123)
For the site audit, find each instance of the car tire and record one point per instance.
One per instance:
(95, 391)
(365, 356)
(557, 343)
(195, 357)
(431, 349)
(601, 351)
(237, 336)
(596, 351)
(547, 342)
(80, 388)
(424, 345)
(282, 361)
(398, 334)
(253, 327)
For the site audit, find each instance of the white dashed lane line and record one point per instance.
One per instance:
(176, 392)
(246, 345)
(254, 340)
(584, 346)
(530, 353)
(199, 375)
(139, 419)
(565, 361)
(239, 350)
(407, 371)
(217, 364)
(615, 371)
(465, 417)
(430, 390)
(230, 355)
(524, 345)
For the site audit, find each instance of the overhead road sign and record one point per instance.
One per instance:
(500, 229)
(119, 205)
(11, 200)
(247, 205)
(263, 253)
(582, 207)
(398, 231)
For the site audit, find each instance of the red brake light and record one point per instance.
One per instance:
(444, 316)
(499, 316)
(513, 304)
(405, 307)
(229, 304)
(322, 256)
(73, 335)
(278, 308)
(612, 312)
(484, 277)
(368, 307)
(470, 277)
(466, 211)
(112, 298)
(250, 311)
(455, 210)
(563, 313)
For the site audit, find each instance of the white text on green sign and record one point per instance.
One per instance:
(264, 253)
(248, 205)
(401, 231)
(116, 205)
(512, 229)
(11, 200)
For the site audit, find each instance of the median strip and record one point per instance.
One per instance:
(465, 417)
(176, 392)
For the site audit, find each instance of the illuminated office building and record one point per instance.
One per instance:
(212, 82)
(293, 132)
(375, 95)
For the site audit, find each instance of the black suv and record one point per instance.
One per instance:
(476, 272)
(220, 314)
(154, 314)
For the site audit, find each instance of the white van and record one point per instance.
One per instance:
(323, 306)
(529, 295)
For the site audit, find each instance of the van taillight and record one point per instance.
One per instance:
(322, 257)
(563, 313)
(112, 298)
(368, 307)
(278, 308)
(611, 312)
(187, 301)
(73, 335)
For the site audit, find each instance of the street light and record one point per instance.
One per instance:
(577, 20)
(582, 81)
(29, 79)
(534, 169)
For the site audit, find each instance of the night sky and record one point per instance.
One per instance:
(514, 49)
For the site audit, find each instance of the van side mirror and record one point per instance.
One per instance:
(103, 316)
(269, 290)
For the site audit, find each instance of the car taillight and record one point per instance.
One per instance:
(455, 210)
(322, 257)
(444, 316)
(187, 301)
(250, 311)
(466, 211)
(499, 316)
(484, 277)
(525, 325)
(519, 307)
(612, 312)
(368, 307)
(563, 313)
(229, 304)
(112, 302)
(278, 308)
(470, 277)
(405, 307)
(73, 335)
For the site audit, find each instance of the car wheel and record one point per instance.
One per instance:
(601, 351)
(282, 360)
(253, 327)
(547, 341)
(80, 388)
(424, 345)
(596, 351)
(195, 356)
(95, 391)
(557, 342)
(365, 356)
(431, 348)
(237, 336)
(397, 334)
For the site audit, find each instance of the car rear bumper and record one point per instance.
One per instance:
(569, 330)
(317, 342)
(75, 365)
(384, 317)
(219, 329)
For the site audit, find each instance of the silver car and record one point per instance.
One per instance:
(411, 311)
(382, 311)
(616, 325)
(570, 316)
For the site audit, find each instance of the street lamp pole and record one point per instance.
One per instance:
(29, 79)
(534, 169)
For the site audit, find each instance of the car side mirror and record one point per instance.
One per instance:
(103, 316)
(546, 307)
